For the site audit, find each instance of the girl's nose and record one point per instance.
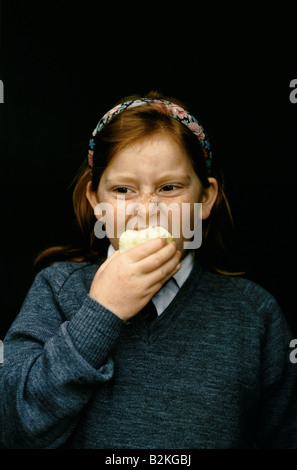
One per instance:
(145, 209)
(148, 198)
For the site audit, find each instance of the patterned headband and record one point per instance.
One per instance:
(168, 108)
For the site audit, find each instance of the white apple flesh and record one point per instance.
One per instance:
(132, 238)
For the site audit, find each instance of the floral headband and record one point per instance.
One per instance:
(168, 108)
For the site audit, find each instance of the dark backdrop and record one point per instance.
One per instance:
(63, 69)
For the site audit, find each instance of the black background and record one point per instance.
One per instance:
(64, 65)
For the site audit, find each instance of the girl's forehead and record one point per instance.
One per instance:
(158, 151)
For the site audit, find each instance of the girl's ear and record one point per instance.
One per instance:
(209, 197)
(92, 197)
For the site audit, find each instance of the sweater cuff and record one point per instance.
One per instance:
(94, 331)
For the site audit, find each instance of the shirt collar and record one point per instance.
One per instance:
(181, 276)
(187, 264)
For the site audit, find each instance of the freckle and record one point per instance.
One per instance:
(148, 196)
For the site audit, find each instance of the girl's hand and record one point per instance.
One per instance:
(125, 282)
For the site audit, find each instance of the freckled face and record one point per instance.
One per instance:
(153, 171)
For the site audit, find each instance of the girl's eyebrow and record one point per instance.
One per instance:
(119, 177)
(186, 179)
(175, 177)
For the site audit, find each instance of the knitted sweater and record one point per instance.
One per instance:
(213, 371)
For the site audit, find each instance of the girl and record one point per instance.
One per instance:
(149, 348)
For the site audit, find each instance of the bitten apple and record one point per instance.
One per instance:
(131, 238)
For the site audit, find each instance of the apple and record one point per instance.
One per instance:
(131, 238)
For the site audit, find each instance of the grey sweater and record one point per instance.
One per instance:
(213, 371)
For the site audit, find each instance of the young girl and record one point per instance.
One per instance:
(147, 348)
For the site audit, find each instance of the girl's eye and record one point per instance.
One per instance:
(168, 187)
(122, 190)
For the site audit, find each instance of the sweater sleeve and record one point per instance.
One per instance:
(278, 407)
(51, 365)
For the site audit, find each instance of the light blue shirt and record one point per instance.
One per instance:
(165, 295)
